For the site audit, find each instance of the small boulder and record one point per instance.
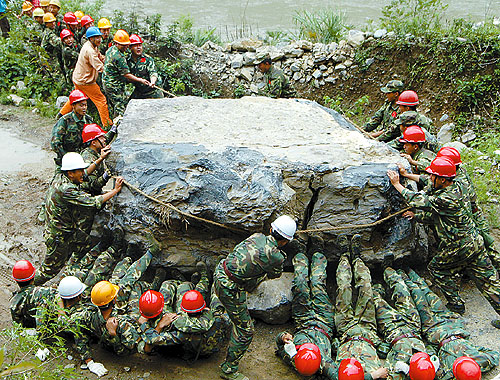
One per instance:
(468, 136)
(369, 61)
(379, 33)
(317, 74)
(61, 101)
(246, 73)
(246, 45)
(295, 67)
(271, 302)
(20, 86)
(237, 61)
(15, 99)
(445, 134)
(355, 38)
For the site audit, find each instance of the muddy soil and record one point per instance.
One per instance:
(26, 168)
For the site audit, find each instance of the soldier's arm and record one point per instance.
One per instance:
(154, 338)
(94, 183)
(375, 120)
(488, 359)
(58, 133)
(392, 132)
(423, 163)
(153, 73)
(280, 349)
(272, 262)
(80, 198)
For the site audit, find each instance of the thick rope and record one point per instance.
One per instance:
(200, 219)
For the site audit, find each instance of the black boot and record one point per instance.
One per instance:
(456, 308)
(118, 240)
(133, 251)
(388, 261)
(316, 244)
(356, 247)
(160, 276)
(343, 244)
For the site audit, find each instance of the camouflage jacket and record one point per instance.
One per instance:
(446, 210)
(424, 158)
(144, 67)
(383, 117)
(67, 134)
(115, 67)
(201, 335)
(277, 84)
(62, 202)
(51, 42)
(106, 44)
(25, 304)
(252, 260)
(408, 118)
(70, 57)
(94, 182)
(60, 24)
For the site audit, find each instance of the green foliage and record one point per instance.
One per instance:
(183, 29)
(274, 37)
(175, 75)
(355, 110)
(416, 17)
(240, 91)
(471, 93)
(326, 25)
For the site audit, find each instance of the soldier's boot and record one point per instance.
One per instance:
(106, 239)
(496, 323)
(456, 308)
(154, 245)
(160, 276)
(232, 375)
(201, 269)
(133, 251)
(343, 244)
(316, 244)
(176, 274)
(388, 261)
(356, 247)
(118, 240)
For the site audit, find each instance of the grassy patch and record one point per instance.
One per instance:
(325, 25)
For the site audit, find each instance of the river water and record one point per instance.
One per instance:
(230, 16)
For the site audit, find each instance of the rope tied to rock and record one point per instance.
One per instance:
(204, 220)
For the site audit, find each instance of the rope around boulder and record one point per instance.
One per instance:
(200, 219)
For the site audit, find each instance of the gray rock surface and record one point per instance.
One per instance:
(242, 162)
(445, 134)
(16, 99)
(61, 100)
(272, 300)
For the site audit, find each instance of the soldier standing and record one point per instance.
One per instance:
(251, 261)
(117, 73)
(86, 22)
(62, 201)
(107, 40)
(142, 66)
(54, 8)
(461, 247)
(70, 52)
(276, 84)
(73, 25)
(389, 110)
(51, 41)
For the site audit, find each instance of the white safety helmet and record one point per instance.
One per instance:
(70, 287)
(285, 226)
(73, 161)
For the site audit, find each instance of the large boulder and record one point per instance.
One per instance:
(241, 163)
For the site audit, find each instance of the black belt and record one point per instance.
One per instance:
(321, 331)
(407, 335)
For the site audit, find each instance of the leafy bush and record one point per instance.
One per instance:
(326, 25)
(183, 29)
(356, 110)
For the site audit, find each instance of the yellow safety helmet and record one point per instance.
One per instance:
(104, 23)
(44, 3)
(27, 6)
(38, 12)
(57, 3)
(48, 17)
(103, 293)
(121, 37)
(79, 15)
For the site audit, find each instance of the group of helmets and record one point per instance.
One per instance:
(151, 303)
(446, 162)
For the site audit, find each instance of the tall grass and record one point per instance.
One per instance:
(325, 25)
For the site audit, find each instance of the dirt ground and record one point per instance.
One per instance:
(26, 167)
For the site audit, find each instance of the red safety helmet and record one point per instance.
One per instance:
(135, 39)
(77, 96)
(307, 359)
(65, 33)
(450, 152)
(408, 98)
(413, 134)
(192, 302)
(442, 167)
(466, 368)
(151, 304)
(86, 20)
(70, 19)
(422, 369)
(419, 355)
(91, 132)
(351, 369)
(23, 271)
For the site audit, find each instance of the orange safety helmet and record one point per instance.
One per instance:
(466, 368)
(351, 369)
(151, 304)
(308, 359)
(408, 98)
(103, 293)
(442, 167)
(121, 37)
(192, 302)
(23, 271)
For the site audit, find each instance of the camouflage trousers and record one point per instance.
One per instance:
(359, 320)
(61, 247)
(117, 99)
(234, 301)
(438, 323)
(477, 265)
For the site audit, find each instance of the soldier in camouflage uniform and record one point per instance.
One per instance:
(51, 41)
(461, 247)
(399, 325)
(276, 84)
(389, 111)
(413, 144)
(356, 323)
(116, 74)
(54, 8)
(62, 202)
(143, 66)
(251, 261)
(107, 39)
(27, 302)
(407, 119)
(445, 331)
(70, 52)
(312, 312)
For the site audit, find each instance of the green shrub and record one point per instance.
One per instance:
(183, 29)
(356, 110)
(326, 25)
